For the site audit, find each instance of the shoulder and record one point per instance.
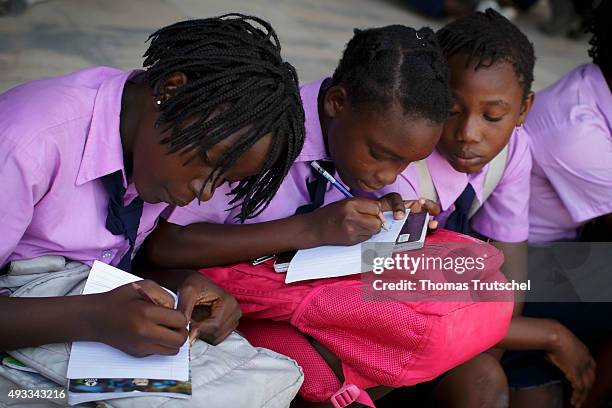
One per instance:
(45, 106)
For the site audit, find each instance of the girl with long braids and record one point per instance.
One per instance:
(91, 159)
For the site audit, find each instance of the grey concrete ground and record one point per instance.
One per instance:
(59, 36)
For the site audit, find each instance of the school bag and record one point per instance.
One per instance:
(232, 373)
(492, 178)
(378, 343)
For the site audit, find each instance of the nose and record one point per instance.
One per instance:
(468, 130)
(207, 189)
(386, 176)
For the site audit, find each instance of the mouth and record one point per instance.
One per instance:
(363, 186)
(170, 199)
(467, 158)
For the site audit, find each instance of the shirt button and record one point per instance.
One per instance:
(106, 254)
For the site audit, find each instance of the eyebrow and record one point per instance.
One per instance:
(387, 152)
(497, 102)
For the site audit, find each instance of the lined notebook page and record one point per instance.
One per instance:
(332, 261)
(98, 360)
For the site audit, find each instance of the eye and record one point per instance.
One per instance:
(374, 154)
(493, 118)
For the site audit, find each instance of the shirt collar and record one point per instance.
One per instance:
(450, 183)
(103, 152)
(314, 145)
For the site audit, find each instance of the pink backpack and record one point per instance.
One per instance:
(379, 343)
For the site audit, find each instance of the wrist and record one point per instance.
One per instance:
(89, 312)
(554, 335)
(307, 234)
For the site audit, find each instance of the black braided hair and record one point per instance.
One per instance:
(237, 81)
(488, 37)
(599, 24)
(396, 63)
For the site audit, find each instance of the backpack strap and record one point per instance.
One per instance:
(350, 393)
(426, 186)
(492, 178)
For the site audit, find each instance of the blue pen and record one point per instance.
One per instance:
(338, 185)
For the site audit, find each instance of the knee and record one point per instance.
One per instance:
(490, 388)
(478, 383)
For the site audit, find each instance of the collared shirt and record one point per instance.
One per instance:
(570, 128)
(293, 191)
(58, 137)
(504, 215)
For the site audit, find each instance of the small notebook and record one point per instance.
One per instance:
(98, 361)
(331, 261)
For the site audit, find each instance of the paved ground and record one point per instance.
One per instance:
(59, 36)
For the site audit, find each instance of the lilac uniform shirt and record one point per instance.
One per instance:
(504, 215)
(292, 193)
(570, 129)
(58, 137)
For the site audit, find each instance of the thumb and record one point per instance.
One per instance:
(186, 300)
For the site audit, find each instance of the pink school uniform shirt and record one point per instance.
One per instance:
(293, 191)
(504, 215)
(570, 129)
(58, 137)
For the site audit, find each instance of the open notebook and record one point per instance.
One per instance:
(332, 261)
(97, 371)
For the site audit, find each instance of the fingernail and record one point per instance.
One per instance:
(193, 337)
(422, 201)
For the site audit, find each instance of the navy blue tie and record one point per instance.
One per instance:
(122, 220)
(459, 220)
(316, 189)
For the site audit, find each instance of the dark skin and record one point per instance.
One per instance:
(489, 103)
(370, 149)
(125, 317)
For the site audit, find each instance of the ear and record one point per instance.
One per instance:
(168, 88)
(525, 108)
(335, 101)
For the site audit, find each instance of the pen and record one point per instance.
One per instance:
(339, 186)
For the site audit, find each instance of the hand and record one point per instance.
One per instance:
(346, 222)
(394, 202)
(127, 319)
(213, 313)
(573, 358)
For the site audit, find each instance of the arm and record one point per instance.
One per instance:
(199, 245)
(26, 322)
(514, 267)
(205, 244)
(120, 318)
(562, 348)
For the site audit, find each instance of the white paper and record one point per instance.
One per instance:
(98, 360)
(332, 261)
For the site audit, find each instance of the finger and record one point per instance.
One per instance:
(366, 206)
(433, 226)
(578, 391)
(430, 206)
(187, 299)
(152, 292)
(162, 350)
(383, 221)
(396, 204)
(166, 337)
(194, 334)
(213, 332)
(173, 319)
(367, 225)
